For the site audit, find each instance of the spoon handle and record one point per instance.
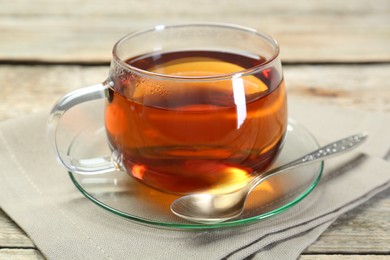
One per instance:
(321, 153)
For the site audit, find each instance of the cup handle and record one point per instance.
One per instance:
(82, 166)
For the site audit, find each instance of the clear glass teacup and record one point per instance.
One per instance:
(188, 108)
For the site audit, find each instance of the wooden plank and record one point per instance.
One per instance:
(21, 254)
(364, 230)
(29, 89)
(11, 235)
(74, 31)
(353, 86)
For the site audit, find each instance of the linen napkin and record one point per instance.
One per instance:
(37, 194)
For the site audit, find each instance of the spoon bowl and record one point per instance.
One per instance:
(209, 208)
(214, 208)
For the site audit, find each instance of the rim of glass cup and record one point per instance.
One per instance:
(224, 76)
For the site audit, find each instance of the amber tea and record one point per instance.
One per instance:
(201, 133)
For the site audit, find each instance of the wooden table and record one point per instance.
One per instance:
(334, 52)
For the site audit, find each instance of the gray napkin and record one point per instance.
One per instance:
(38, 194)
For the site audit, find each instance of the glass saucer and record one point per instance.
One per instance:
(124, 196)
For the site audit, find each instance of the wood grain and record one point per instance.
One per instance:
(29, 89)
(85, 31)
(364, 230)
(21, 254)
(11, 236)
(364, 87)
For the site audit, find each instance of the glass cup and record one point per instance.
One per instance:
(188, 108)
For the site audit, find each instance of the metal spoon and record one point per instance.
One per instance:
(214, 208)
